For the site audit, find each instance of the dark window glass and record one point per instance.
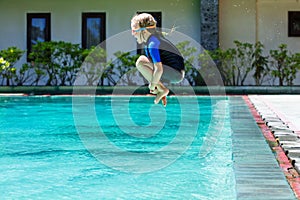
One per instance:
(294, 24)
(93, 29)
(38, 29)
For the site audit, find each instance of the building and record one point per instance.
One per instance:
(211, 23)
(66, 20)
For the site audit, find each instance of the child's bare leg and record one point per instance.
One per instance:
(161, 95)
(146, 69)
(154, 91)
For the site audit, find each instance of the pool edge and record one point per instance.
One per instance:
(105, 90)
(291, 174)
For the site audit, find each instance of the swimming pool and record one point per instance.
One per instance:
(88, 147)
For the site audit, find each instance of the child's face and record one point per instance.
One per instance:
(136, 33)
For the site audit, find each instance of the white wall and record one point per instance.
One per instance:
(237, 22)
(257, 20)
(273, 23)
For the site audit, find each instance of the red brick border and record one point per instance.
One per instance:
(289, 171)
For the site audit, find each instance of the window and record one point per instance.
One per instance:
(294, 24)
(93, 29)
(38, 29)
(157, 17)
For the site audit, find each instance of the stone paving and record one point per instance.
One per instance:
(257, 172)
(281, 114)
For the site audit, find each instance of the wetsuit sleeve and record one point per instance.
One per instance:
(154, 49)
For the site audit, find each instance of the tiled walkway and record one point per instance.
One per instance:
(286, 107)
(257, 173)
(281, 113)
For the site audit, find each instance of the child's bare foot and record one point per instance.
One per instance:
(164, 101)
(162, 96)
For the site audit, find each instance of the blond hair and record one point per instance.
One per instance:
(143, 20)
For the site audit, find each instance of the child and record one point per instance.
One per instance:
(162, 60)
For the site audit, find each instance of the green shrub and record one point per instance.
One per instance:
(192, 73)
(122, 69)
(94, 66)
(224, 60)
(25, 75)
(8, 73)
(284, 65)
(259, 64)
(56, 62)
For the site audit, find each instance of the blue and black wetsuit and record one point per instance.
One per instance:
(159, 49)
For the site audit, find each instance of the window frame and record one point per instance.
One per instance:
(30, 17)
(84, 17)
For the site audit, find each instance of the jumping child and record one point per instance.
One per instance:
(162, 60)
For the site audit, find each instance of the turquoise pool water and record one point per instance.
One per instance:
(115, 148)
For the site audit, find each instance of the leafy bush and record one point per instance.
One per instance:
(122, 69)
(93, 68)
(56, 62)
(4, 66)
(243, 60)
(96, 70)
(8, 70)
(235, 64)
(224, 62)
(25, 75)
(259, 64)
(192, 73)
(284, 65)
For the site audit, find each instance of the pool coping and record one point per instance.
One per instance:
(142, 90)
(291, 174)
(257, 172)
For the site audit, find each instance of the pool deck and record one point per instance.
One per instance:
(277, 117)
